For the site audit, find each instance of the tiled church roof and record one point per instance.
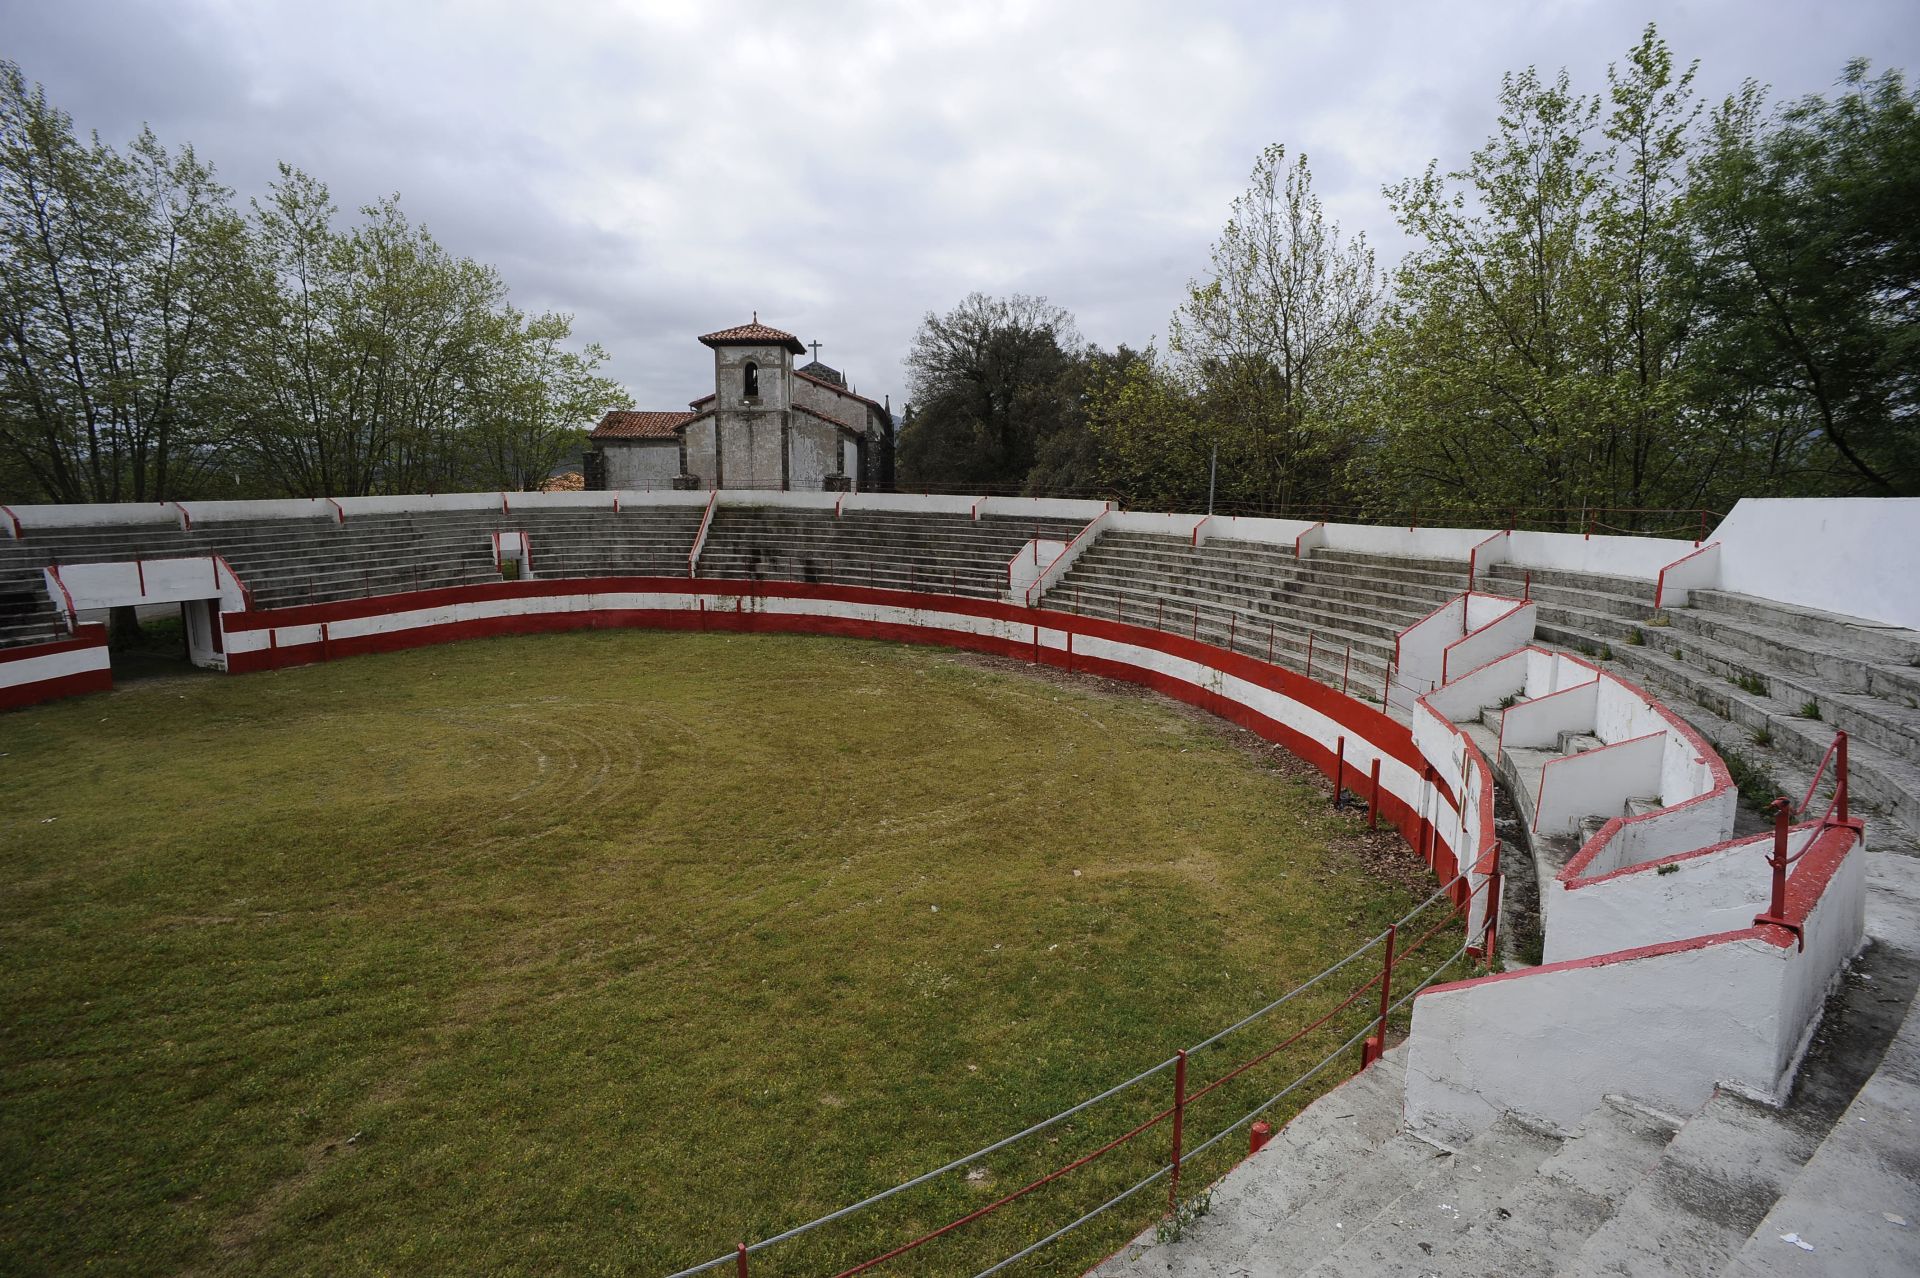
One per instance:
(754, 334)
(625, 425)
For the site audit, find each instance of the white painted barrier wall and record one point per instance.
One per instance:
(1701, 893)
(1857, 556)
(1028, 563)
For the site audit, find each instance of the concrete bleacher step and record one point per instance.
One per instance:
(1853, 1205)
(1510, 1221)
(1699, 1202)
(1771, 731)
(1338, 1161)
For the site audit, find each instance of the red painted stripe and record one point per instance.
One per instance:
(72, 685)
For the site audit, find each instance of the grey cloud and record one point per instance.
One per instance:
(659, 169)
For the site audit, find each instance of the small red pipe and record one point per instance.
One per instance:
(1179, 1124)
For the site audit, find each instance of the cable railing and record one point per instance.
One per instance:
(1086, 1162)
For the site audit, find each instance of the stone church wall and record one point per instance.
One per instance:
(641, 466)
(750, 450)
(814, 453)
(700, 460)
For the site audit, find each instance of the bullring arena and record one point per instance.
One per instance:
(1522, 902)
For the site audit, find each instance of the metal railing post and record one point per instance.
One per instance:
(1309, 652)
(1339, 767)
(1371, 1050)
(1493, 912)
(1373, 795)
(1179, 1125)
(1269, 643)
(1233, 629)
(740, 1261)
(1782, 815)
(1196, 623)
(1840, 777)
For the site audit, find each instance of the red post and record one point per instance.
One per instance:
(1386, 684)
(1309, 653)
(1370, 1050)
(1526, 591)
(740, 1260)
(1258, 1135)
(1840, 777)
(1782, 816)
(1703, 528)
(1493, 911)
(1339, 767)
(1179, 1125)
(1345, 669)
(1373, 795)
(1233, 626)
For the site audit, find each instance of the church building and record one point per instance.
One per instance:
(767, 424)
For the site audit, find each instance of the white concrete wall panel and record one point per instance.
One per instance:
(1857, 556)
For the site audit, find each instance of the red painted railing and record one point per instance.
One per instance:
(1784, 813)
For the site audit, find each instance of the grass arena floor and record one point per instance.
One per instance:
(596, 953)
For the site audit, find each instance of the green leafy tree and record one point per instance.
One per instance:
(1265, 339)
(993, 381)
(115, 271)
(1809, 282)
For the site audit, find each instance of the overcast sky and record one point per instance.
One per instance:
(661, 169)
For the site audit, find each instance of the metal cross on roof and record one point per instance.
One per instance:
(816, 351)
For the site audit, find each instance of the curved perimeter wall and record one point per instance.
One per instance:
(1442, 806)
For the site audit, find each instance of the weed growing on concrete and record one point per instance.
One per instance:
(1811, 710)
(1763, 737)
(1660, 619)
(1606, 652)
(1637, 637)
(1757, 788)
(1173, 1225)
(1510, 700)
(1679, 655)
(1668, 869)
(1750, 683)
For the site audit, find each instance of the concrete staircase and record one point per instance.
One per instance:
(948, 554)
(1243, 594)
(1343, 1190)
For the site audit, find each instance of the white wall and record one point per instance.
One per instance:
(1597, 783)
(1537, 724)
(1720, 891)
(1028, 563)
(1549, 1043)
(1858, 556)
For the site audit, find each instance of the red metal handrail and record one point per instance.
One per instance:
(1784, 811)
